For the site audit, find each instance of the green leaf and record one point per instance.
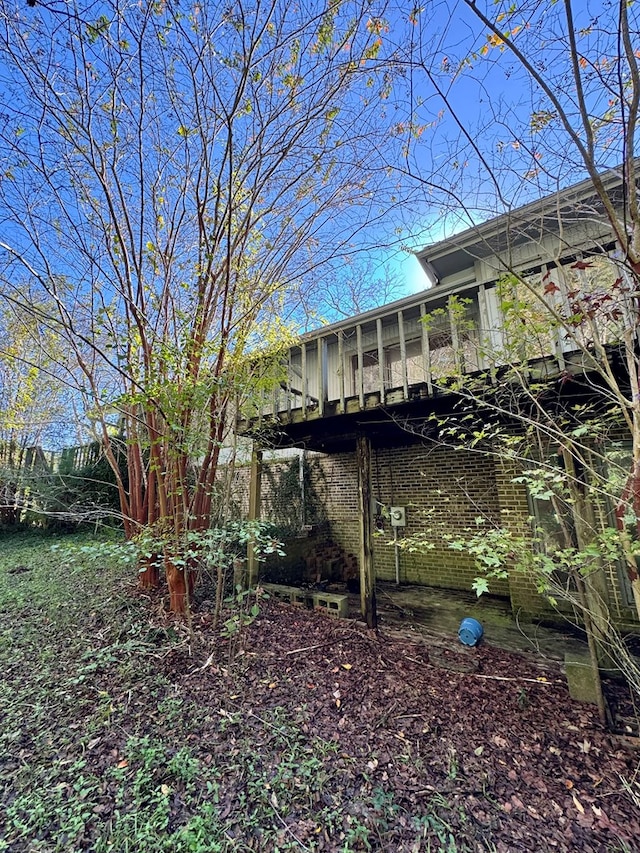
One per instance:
(480, 585)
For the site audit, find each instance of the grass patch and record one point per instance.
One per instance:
(103, 751)
(124, 732)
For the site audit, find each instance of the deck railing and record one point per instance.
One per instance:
(407, 349)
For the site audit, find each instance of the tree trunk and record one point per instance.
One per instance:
(149, 573)
(180, 596)
(592, 588)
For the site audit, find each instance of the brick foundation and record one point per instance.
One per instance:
(443, 491)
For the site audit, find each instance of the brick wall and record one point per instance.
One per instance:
(340, 488)
(514, 516)
(443, 491)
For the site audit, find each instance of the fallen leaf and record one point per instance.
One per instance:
(478, 751)
(346, 666)
(166, 790)
(578, 804)
(123, 763)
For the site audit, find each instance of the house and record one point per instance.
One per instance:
(363, 394)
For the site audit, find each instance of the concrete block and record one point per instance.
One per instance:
(332, 604)
(580, 678)
(282, 593)
(290, 594)
(302, 598)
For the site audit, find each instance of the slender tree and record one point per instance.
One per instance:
(171, 175)
(535, 95)
(512, 101)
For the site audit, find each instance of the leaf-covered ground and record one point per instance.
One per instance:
(119, 733)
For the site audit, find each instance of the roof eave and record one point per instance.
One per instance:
(478, 235)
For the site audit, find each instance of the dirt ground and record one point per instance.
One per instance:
(486, 742)
(121, 730)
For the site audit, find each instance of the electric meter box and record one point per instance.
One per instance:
(398, 516)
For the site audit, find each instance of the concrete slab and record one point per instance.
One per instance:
(438, 612)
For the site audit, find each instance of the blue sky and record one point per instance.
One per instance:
(482, 90)
(490, 139)
(463, 132)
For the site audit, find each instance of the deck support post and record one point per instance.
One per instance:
(305, 378)
(426, 356)
(254, 512)
(367, 575)
(321, 378)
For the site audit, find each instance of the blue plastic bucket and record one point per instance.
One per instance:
(470, 632)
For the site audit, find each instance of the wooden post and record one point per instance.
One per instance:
(305, 386)
(360, 365)
(483, 331)
(561, 344)
(426, 355)
(321, 377)
(341, 367)
(254, 512)
(455, 338)
(380, 359)
(403, 356)
(367, 575)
